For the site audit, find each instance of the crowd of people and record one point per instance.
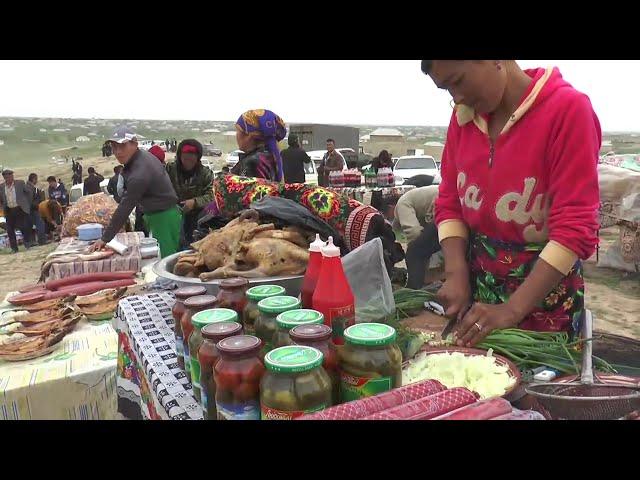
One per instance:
(28, 208)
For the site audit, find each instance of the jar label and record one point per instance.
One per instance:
(339, 320)
(179, 346)
(238, 411)
(187, 358)
(268, 413)
(354, 388)
(195, 373)
(205, 402)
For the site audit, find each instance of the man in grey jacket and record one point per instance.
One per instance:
(414, 215)
(146, 183)
(15, 199)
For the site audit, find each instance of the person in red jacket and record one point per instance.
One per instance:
(517, 206)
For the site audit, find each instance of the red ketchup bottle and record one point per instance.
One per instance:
(333, 296)
(313, 272)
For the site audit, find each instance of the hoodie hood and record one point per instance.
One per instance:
(545, 82)
(193, 143)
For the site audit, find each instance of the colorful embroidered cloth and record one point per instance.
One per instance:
(349, 217)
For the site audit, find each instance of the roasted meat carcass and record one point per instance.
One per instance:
(264, 257)
(247, 249)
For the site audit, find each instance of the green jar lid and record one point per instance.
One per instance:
(293, 318)
(264, 291)
(213, 315)
(279, 304)
(370, 334)
(293, 359)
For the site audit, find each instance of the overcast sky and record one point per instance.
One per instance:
(380, 92)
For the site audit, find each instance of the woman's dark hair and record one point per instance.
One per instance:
(331, 140)
(51, 178)
(384, 157)
(91, 170)
(117, 169)
(32, 176)
(425, 66)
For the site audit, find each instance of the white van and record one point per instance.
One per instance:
(76, 191)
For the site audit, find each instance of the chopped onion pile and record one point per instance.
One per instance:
(478, 373)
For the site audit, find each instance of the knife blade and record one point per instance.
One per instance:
(452, 323)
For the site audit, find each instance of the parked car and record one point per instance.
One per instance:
(209, 150)
(412, 165)
(76, 191)
(310, 173)
(316, 156)
(233, 157)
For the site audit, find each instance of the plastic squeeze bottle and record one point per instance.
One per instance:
(333, 296)
(313, 272)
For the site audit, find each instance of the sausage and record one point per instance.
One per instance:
(88, 277)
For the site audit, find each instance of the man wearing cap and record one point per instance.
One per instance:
(15, 199)
(192, 182)
(147, 183)
(293, 160)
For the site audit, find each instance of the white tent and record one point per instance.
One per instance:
(433, 144)
(83, 138)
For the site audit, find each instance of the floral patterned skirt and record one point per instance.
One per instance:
(499, 268)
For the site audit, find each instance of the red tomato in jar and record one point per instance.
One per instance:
(246, 391)
(330, 362)
(227, 380)
(254, 374)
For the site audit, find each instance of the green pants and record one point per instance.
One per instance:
(165, 227)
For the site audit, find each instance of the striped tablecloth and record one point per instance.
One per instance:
(150, 383)
(77, 381)
(115, 263)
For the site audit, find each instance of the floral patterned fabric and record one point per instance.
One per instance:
(349, 217)
(499, 268)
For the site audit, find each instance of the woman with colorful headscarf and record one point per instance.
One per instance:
(258, 133)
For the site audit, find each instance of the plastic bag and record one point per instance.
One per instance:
(365, 269)
(295, 214)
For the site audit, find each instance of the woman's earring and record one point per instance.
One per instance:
(498, 65)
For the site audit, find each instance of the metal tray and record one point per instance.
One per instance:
(164, 268)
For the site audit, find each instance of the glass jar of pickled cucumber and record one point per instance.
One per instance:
(319, 336)
(254, 295)
(287, 320)
(370, 361)
(294, 384)
(270, 308)
(199, 320)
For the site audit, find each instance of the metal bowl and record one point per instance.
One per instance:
(164, 268)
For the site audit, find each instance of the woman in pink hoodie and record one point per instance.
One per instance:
(517, 206)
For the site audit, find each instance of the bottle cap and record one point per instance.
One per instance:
(317, 245)
(330, 250)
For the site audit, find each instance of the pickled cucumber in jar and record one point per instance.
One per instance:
(270, 308)
(288, 320)
(254, 295)
(295, 383)
(370, 362)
